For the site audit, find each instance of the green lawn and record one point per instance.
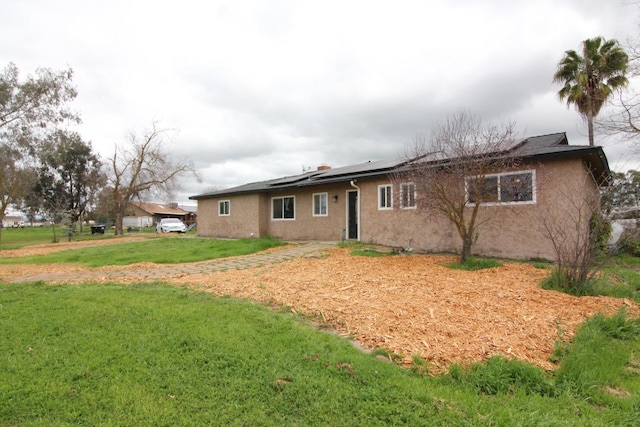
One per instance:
(154, 354)
(162, 250)
(16, 238)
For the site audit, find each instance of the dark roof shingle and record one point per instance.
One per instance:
(545, 146)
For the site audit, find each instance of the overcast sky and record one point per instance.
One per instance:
(261, 89)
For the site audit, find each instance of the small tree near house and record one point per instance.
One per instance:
(452, 171)
(577, 231)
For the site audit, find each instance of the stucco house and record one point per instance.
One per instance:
(367, 203)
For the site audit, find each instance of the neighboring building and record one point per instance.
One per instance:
(149, 214)
(10, 221)
(366, 203)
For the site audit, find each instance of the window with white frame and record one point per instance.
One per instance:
(283, 207)
(320, 204)
(407, 195)
(509, 187)
(385, 197)
(224, 208)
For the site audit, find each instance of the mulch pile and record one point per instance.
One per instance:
(412, 305)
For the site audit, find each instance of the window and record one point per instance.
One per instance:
(320, 204)
(407, 195)
(486, 188)
(515, 187)
(283, 207)
(384, 197)
(223, 207)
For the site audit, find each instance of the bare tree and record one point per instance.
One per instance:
(576, 229)
(622, 119)
(142, 167)
(451, 171)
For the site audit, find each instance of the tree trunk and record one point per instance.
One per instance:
(590, 128)
(3, 210)
(466, 249)
(53, 229)
(118, 224)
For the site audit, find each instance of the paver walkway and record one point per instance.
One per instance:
(195, 268)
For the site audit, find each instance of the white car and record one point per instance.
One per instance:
(167, 225)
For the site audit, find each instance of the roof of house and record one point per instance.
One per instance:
(160, 209)
(538, 147)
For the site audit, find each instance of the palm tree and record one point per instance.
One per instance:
(590, 79)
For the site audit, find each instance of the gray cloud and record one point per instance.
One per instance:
(260, 89)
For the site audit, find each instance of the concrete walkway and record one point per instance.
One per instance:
(155, 273)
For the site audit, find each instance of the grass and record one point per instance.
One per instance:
(473, 263)
(154, 354)
(618, 278)
(499, 375)
(597, 363)
(363, 249)
(16, 238)
(162, 250)
(369, 252)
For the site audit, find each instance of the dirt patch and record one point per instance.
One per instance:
(411, 305)
(63, 246)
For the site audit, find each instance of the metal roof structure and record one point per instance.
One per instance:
(160, 208)
(538, 147)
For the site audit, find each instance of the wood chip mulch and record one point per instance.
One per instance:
(414, 305)
(411, 305)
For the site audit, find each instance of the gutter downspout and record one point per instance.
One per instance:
(353, 184)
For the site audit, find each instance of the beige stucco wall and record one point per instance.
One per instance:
(510, 231)
(243, 220)
(506, 230)
(252, 214)
(415, 228)
(563, 190)
(306, 226)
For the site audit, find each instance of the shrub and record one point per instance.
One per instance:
(629, 243)
(601, 229)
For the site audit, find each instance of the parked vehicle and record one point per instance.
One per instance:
(98, 228)
(167, 225)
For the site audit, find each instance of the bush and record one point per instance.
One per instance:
(579, 257)
(601, 229)
(629, 243)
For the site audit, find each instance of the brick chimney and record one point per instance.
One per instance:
(324, 167)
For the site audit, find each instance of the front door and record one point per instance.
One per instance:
(352, 215)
